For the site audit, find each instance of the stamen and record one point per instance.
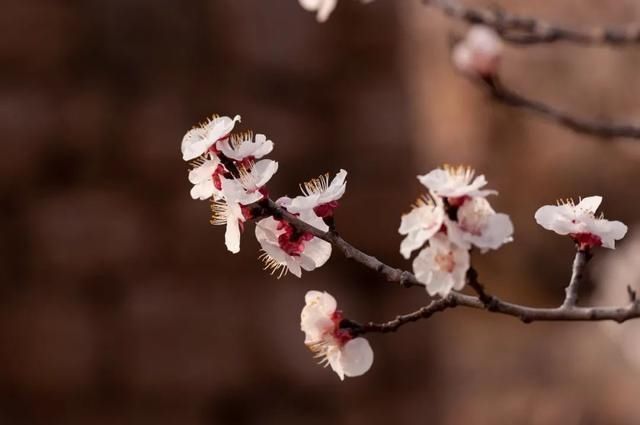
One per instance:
(199, 161)
(314, 186)
(423, 201)
(461, 172)
(237, 139)
(220, 212)
(273, 266)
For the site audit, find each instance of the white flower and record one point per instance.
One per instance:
(442, 266)
(320, 322)
(479, 53)
(202, 178)
(248, 188)
(285, 249)
(319, 195)
(230, 214)
(478, 224)
(579, 222)
(198, 140)
(424, 221)
(242, 146)
(455, 182)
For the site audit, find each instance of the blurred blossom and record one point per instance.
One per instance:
(323, 8)
(479, 52)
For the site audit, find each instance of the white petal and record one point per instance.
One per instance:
(546, 216)
(293, 264)
(441, 283)
(263, 146)
(262, 172)
(316, 250)
(590, 204)
(232, 233)
(203, 191)
(413, 241)
(324, 300)
(310, 5)
(462, 58)
(194, 144)
(356, 358)
(325, 9)
(333, 356)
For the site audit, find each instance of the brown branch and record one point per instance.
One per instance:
(393, 325)
(571, 291)
(506, 96)
(407, 279)
(527, 31)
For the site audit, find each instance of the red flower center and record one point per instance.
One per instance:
(292, 241)
(326, 210)
(586, 240)
(342, 336)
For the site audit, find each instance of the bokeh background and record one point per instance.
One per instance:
(119, 303)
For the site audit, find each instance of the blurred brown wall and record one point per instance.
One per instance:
(118, 301)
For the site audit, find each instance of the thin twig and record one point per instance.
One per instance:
(527, 31)
(571, 291)
(393, 325)
(405, 278)
(595, 128)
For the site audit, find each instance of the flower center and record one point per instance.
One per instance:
(474, 215)
(445, 262)
(217, 176)
(326, 210)
(586, 240)
(292, 241)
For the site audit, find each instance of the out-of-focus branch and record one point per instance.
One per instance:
(488, 302)
(527, 31)
(502, 94)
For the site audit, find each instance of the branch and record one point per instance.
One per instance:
(407, 279)
(571, 291)
(527, 31)
(393, 325)
(595, 128)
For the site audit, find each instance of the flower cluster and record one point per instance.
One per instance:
(230, 170)
(479, 53)
(227, 168)
(336, 347)
(452, 217)
(580, 223)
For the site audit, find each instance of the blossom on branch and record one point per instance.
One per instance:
(580, 223)
(455, 183)
(244, 146)
(420, 224)
(284, 248)
(442, 266)
(336, 347)
(205, 177)
(225, 170)
(479, 52)
(320, 195)
(232, 215)
(477, 224)
(200, 139)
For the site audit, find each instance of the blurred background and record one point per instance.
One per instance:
(119, 303)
